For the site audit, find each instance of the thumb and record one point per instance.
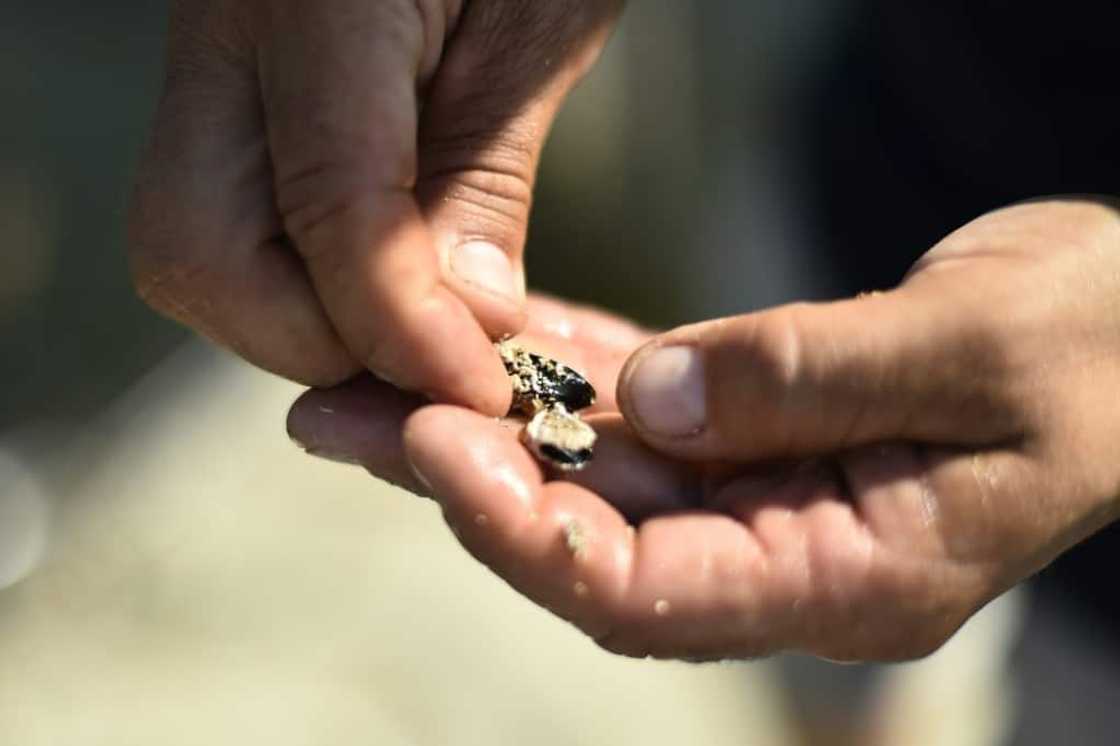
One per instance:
(807, 379)
(487, 114)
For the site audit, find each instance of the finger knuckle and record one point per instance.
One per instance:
(924, 645)
(496, 156)
(922, 623)
(773, 348)
(163, 265)
(175, 288)
(313, 202)
(489, 205)
(169, 275)
(495, 195)
(150, 263)
(882, 635)
(911, 642)
(894, 611)
(327, 193)
(485, 178)
(165, 242)
(148, 280)
(777, 345)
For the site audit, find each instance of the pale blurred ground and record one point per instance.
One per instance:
(174, 571)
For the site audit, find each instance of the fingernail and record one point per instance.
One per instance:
(667, 392)
(488, 268)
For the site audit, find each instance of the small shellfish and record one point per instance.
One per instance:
(550, 394)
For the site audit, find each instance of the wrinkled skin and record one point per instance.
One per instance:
(872, 472)
(315, 167)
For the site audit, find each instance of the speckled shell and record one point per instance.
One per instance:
(560, 438)
(550, 394)
(540, 382)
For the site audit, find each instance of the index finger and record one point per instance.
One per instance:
(339, 91)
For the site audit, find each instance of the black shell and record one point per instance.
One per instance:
(565, 458)
(550, 394)
(559, 383)
(540, 382)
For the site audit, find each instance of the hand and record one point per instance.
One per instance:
(858, 477)
(339, 185)
(361, 422)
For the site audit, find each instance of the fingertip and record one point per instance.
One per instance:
(662, 391)
(300, 419)
(424, 425)
(394, 311)
(455, 360)
(356, 423)
(313, 425)
(468, 459)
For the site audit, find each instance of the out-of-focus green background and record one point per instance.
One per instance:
(173, 571)
(79, 82)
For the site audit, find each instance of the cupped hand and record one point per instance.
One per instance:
(343, 185)
(850, 479)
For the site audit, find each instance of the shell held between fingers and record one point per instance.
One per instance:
(550, 394)
(559, 437)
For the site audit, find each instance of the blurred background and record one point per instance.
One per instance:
(172, 570)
